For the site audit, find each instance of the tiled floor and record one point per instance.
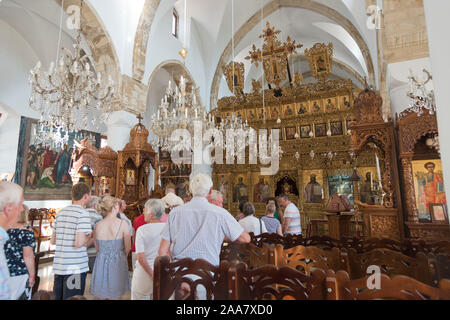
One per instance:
(45, 272)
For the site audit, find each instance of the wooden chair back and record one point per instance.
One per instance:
(275, 283)
(305, 258)
(340, 287)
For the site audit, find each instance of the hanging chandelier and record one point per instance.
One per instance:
(178, 110)
(69, 96)
(420, 97)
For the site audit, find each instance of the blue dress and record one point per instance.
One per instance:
(110, 278)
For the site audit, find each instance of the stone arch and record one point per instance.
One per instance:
(99, 41)
(272, 7)
(142, 36)
(177, 68)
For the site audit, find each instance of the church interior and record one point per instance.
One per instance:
(339, 105)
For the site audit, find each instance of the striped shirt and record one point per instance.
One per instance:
(197, 229)
(5, 290)
(68, 259)
(291, 212)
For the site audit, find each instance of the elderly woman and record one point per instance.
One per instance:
(250, 223)
(148, 238)
(19, 253)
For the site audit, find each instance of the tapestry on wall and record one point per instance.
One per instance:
(43, 169)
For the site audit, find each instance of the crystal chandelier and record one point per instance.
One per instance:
(66, 93)
(178, 110)
(420, 97)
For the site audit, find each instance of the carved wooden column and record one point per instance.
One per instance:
(408, 188)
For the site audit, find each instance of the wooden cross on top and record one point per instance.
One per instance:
(140, 118)
(274, 56)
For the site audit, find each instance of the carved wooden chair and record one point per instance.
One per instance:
(391, 263)
(248, 253)
(340, 287)
(274, 283)
(180, 280)
(304, 259)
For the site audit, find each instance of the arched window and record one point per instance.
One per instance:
(175, 23)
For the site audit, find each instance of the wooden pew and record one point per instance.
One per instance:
(304, 259)
(340, 287)
(274, 283)
(248, 253)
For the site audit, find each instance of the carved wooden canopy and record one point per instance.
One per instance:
(411, 127)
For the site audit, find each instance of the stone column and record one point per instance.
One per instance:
(119, 125)
(438, 24)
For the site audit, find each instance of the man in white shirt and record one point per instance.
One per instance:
(250, 223)
(198, 228)
(11, 204)
(291, 221)
(148, 239)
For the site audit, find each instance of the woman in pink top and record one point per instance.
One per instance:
(171, 200)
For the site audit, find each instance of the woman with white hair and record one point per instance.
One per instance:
(19, 252)
(148, 238)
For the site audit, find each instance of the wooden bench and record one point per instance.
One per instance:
(341, 287)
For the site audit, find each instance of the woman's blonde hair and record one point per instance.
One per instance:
(107, 203)
(23, 216)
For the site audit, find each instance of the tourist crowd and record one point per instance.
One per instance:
(94, 235)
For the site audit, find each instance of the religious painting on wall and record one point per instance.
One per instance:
(43, 168)
(320, 130)
(439, 213)
(305, 131)
(275, 112)
(222, 187)
(344, 103)
(131, 179)
(240, 190)
(316, 106)
(286, 185)
(313, 180)
(302, 108)
(336, 128)
(251, 115)
(262, 114)
(349, 123)
(105, 185)
(241, 115)
(288, 110)
(261, 190)
(290, 133)
(330, 104)
(428, 186)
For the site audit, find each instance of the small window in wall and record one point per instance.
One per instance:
(104, 141)
(175, 24)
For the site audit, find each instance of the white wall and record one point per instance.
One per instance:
(438, 25)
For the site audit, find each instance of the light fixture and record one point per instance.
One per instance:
(420, 97)
(67, 93)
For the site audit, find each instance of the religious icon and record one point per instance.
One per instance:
(313, 191)
(303, 108)
(261, 191)
(240, 191)
(369, 189)
(251, 115)
(288, 111)
(344, 103)
(305, 131)
(428, 185)
(349, 123)
(320, 63)
(274, 113)
(290, 133)
(439, 213)
(321, 130)
(262, 114)
(330, 104)
(223, 187)
(130, 177)
(316, 106)
(336, 128)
